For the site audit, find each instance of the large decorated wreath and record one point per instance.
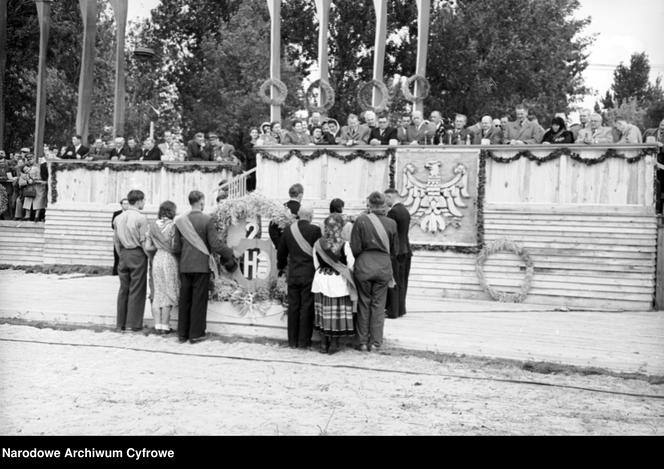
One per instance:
(503, 245)
(281, 92)
(370, 85)
(424, 85)
(326, 96)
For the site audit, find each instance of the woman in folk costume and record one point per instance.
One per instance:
(333, 286)
(164, 272)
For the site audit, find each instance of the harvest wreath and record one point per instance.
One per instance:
(502, 245)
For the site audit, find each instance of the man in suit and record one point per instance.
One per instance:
(296, 252)
(382, 134)
(133, 151)
(595, 133)
(124, 204)
(354, 133)
(396, 297)
(523, 131)
(151, 152)
(295, 192)
(120, 150)
(374, 241)
(629, 133)
(584, 118)
(131, 228)
(459, 134)
(402, 129)
(488, 133)
(98, 152)
(195, 240)
(196, 148)
(436, 128)
(418, 131)
(75, 151)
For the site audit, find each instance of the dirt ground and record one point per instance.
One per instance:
(106, 383)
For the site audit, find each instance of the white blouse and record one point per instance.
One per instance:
(330, 285)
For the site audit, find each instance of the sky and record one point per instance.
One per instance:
(622, 29)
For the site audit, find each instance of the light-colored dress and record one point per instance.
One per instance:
(165, 272)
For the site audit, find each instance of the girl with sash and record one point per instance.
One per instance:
(164, 271)
(333, 286)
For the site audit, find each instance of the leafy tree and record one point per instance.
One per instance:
(631, 81)
(629, 110)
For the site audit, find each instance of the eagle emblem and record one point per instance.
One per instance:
(432, 201)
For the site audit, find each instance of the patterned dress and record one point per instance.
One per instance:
(165, 272)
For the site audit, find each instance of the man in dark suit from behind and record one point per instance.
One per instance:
(301, 271)
(396, 297)
(124, 203)
(382, 134)
(295, 192)
(193, 234)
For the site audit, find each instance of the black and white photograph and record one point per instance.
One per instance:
(328, 218)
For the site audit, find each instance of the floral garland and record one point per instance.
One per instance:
(610, 153)
(119, 166)
(250, 301)
(280, 95)
(347, 157)
(509, 246)
(4, 201)
(382, 89)
(405, 88)
(326, 91)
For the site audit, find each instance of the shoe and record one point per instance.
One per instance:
(196, 340)
(324, 344)
(136, 329)
(182, 340)
(362, 348)
(334, 346)
(167, 331)
(375, 347)
(119, 329)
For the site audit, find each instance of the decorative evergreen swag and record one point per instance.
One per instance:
(365, 155)
(610, 153)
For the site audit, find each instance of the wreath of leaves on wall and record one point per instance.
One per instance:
(610, 153)
(345, 157)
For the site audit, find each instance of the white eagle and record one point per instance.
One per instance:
(433, 200)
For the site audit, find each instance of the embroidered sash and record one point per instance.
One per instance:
(299, 239)
(343, 270)
(189, 232)
(382, 235)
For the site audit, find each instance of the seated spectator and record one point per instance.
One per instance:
(595, 133)
(402, 129)
(273, 137)
(151, 152)
(436, 128)
(523, 130)
(196, 148)
(265, 128)
(354, 133)
(220, 151)
(370, 119)
(318, 137)
(383, 134)
(327, 134)
(171, 149)
(133, 152)
(558, 133)
(98, 152)
(297, 136)
(119, 150)
(629, 133)
(459, 135)
(75, 151)
(489, 133)
(418, 131)
(584, 119)
(333, 127)
(655, 135)
(314, 121)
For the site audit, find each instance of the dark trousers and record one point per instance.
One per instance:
(396, 297)
(300, 314)
(192, 316)
(116, 261)
(133, 272)
(372, 295)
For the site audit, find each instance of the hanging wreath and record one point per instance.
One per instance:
(502, 245)
(382, 89)
(4, 202)
(281, 92)
(326, 92)
(424, 84)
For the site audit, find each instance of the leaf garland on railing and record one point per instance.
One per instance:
(151, 167)
(345, 157)
(610, 153)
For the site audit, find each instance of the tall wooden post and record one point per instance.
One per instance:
(3, 65)
(89, 14)
(423, 15)
(44, 14)
(379, 49)
(275, 52)
(120, 9)
(323, 9)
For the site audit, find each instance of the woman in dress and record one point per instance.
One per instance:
(333, 286)
(558, 132)
(34, 191)
(164, 278)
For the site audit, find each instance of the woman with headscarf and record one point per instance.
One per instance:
(333, 286)
(164, 272)
(558, 133)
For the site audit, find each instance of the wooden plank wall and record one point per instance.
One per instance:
(21, 242)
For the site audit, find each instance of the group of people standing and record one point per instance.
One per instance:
(25, 183)
(177, 252)
(344, 280)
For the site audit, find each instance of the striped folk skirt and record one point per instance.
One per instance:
(334, 316)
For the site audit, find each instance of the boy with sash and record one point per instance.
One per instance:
(296, 251)
(130, 230)
(195, 239)
(374, 241)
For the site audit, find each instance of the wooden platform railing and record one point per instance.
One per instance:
(237, 187)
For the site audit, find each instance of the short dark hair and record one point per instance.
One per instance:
(123, 199)
(295, 190)
(167, 209)
(195, 196)
(135, 196)
(337, 206)
(376, 200)
(80, 137)
(391, 191)
(273, 124)
(295, 121)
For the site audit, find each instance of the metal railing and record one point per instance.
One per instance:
(237, 187)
